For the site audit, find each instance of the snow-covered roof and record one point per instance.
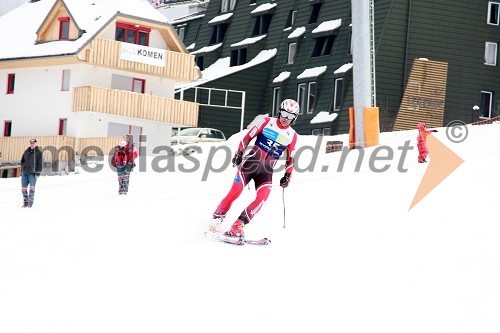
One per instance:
(222, 67)
(323, 117)
(328, 26)
(344, 68)
(297, 32)
(220, 18)
(248, 41)
(282, 77)
(264, 8)
(207, 49)
(89, 16)
(191, 46)
(312, 72)
(188, 18)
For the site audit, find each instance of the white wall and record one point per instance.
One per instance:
(102, 77)
(93, 124)
(37, 102)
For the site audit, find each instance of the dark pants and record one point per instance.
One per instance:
(259, 167)
(123, 178)
(28, 179)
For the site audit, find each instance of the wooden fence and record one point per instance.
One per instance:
(58, 147)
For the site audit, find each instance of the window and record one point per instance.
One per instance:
(314, 13)
(132, 34)
(319, 131)
(65, 79)
(127, 83)
(486, 103)
(143, 38)
(301, 96)
(227, 5)
(490, 54)
(238, 57)
(64, 28)
(218, 33)
(306, 97)
(350, 42)
(290, 21)
(7, 128)
(261, 25)
(11, 80)
(200, 62)
(311, 97)
(276, 101)
(292, 50)
(323, 46)
(219, 135)
(138, 85)
(181, 32)
(338, 94)
(493, 13)
(62, 126)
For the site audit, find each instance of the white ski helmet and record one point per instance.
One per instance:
(290, 106)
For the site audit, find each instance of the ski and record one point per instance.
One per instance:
(236, 240)
(262, 241)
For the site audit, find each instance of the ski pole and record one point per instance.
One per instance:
(284, 210)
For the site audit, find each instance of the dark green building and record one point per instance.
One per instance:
(301, 49)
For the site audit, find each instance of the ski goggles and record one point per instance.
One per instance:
(285, 114)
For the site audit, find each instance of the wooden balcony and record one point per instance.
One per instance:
(178, 66)
(134, 105)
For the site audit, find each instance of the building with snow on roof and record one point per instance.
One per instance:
(433, 62)
(84, 71)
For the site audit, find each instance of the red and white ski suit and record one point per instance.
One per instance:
(272, 140)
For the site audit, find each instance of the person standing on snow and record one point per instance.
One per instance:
(124, 161)
(421, 142)
(273, 137)
(31, 167)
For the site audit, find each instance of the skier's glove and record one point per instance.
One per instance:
(238, 157)
(285, 180)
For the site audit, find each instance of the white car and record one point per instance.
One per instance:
(197, 135)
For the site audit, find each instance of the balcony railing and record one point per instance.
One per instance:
(178, 66)
(135, 105)
(56, 147)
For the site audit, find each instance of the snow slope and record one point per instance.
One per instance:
(352, 258)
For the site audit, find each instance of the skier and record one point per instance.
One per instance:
(273, 137)
(421, 142)
(124, 161)
(31, 166)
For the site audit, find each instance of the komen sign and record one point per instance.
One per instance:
(143, 54)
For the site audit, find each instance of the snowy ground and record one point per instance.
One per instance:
(352, 258)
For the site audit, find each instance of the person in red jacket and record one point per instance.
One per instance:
(421, 142)
(124, 161)
(273, 137)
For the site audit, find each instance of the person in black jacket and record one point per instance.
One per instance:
(31, 166)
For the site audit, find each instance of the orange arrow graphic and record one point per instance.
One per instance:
(443, 162)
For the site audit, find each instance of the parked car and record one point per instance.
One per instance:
(197, 135)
